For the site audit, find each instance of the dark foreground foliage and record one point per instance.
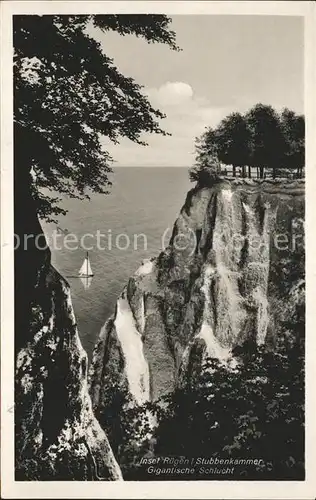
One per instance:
(70, 99)
(254, 411)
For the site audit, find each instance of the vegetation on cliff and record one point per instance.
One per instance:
(253, 411)
(261, 138)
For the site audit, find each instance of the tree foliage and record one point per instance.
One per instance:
(266, 138)
(69, 94)
(255, 411)
(207, 161)
(261, 138)
(233, 139)
(293, 127)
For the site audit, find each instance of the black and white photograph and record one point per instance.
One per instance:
(158, 232)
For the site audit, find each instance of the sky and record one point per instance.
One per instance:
(227, 63)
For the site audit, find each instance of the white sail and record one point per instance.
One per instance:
(90, 273)
(86, 281)
(85, 269)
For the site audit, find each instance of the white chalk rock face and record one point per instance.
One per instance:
(136, 366)
(57, 434)
(221, 281)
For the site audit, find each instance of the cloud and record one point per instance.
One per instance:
(172, 94)
(184, 108)
(187, 115)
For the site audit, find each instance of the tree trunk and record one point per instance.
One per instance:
(234, 171)
(261, 172)
(249, 171)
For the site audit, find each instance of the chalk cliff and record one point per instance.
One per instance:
(235, 258)
(57, 436)
(236, 252)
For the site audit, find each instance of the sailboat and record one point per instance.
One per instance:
(85, 272)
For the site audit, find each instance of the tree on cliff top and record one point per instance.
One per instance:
(207, 165)
(293, 127)
(233, 139)
(267, 143)
(68, 94)
(260, 138)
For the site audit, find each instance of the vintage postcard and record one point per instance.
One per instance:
(157, 230)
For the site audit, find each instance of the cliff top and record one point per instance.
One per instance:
(279, 184)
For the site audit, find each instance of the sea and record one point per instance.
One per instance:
(119, 230)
